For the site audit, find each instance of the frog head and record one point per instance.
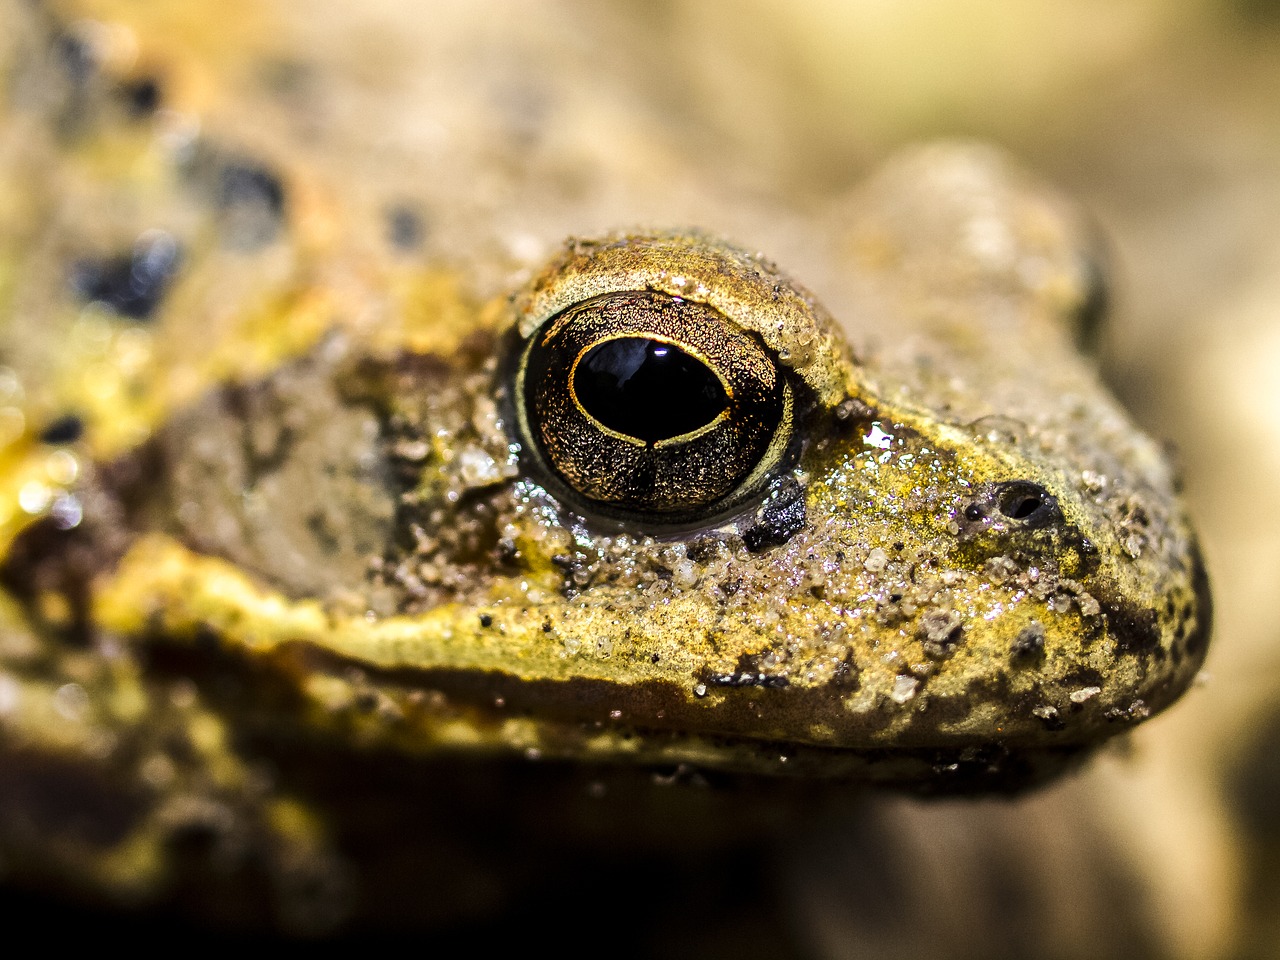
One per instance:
(653, 507)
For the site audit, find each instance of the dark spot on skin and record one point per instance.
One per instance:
(1084, 677)
(406, 228)
(319, 526)
(571, 565)
(1028, 645)
(69, 82)
(851, 416)
(1197, 642)
(1135, 630)
(68, 428)
(266, 438)
(251, 199)
(243, 183)
(76, 58)
(704, 549)
(48, 558)
(506, 552)
(779, 518)
(141, 96)
(131, 284)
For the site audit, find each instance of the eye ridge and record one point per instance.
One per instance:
(616, 383)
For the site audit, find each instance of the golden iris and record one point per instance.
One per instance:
(651, 405)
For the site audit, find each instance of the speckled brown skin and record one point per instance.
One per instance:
(303, 527)
(899, 614)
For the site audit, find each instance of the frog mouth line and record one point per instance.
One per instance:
(750, 708)
(499, 710)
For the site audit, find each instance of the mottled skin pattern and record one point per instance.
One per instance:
(292, 501)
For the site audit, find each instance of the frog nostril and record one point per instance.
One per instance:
(1022, 504)
(1026, 502)
(1021, 507)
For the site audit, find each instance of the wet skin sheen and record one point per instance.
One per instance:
(268, 489)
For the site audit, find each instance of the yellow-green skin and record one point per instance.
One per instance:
(306, 472)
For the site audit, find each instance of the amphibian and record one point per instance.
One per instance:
(307, 472)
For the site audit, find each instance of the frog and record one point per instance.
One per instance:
(329, 517)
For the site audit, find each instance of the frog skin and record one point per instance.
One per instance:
(277, 484)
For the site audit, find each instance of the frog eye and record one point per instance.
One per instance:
(651, 405)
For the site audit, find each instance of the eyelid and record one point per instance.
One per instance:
(744, 287)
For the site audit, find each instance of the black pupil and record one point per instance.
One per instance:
(647, 389)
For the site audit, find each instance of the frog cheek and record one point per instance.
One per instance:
(651, 408)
